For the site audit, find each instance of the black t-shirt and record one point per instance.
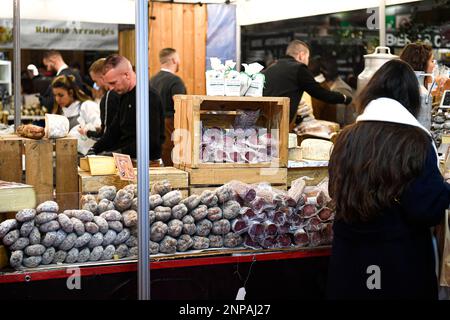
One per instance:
(290, 78)
(168, 85)
(121, 135)
(109, 106)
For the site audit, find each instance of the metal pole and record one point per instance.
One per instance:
(238, 45)
(382, 20)
(143, 149)
(17, 66)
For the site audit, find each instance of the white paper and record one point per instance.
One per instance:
(241, 294)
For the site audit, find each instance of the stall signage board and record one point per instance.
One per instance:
(61, 35)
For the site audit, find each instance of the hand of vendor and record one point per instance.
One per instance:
(347, 99)
(82, 131)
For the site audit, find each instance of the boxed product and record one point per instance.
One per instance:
(215, 78)
(252, 80)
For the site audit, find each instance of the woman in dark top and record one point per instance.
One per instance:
(388, 192)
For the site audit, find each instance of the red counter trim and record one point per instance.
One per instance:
(39, 275)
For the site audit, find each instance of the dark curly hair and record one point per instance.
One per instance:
(417, 55)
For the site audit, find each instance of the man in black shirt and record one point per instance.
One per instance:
(168, 84)
(121, 136)
(109, 103)
(54, 62)
(290, 77)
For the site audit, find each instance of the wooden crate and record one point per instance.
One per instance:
(316, 173)
(50, 182)
(90, 184)
(207, 179)
(199, 189)
(194, 111)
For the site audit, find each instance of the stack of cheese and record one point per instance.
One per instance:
(295, 152)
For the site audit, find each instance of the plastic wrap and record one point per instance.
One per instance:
(239, 144)
(56, 126)
(272, 218)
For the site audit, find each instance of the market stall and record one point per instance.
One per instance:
(243, 192)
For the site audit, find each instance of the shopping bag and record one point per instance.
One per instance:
(443, 236)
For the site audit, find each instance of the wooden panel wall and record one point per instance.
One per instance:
(180, 26)
(127, 45)
(183, 27)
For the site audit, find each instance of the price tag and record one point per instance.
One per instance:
(125, 166)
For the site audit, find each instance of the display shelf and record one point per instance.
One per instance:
(168, 262)
(32, 118)
(5, 76)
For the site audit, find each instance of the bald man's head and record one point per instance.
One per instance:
(118, 74)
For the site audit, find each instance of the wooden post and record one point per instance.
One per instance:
(39, 167)
(11, 160)
(66, 173)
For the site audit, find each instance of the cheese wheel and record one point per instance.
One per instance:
(316, 149)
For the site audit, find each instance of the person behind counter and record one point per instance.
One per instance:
(388, 192)
(168, 84)
(77, 107)
(121, 137)
(420, 57)
(290, 77)
(54, 62)
(109, 103)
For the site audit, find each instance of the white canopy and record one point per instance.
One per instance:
(122, 11)
(259, 11)
(100, 11)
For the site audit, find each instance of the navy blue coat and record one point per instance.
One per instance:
(399, 243)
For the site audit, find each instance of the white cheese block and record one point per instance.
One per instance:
(292, 140)
(101, 165)
(316, 149)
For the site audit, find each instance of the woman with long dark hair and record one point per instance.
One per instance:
(73, 103)
(388, 192)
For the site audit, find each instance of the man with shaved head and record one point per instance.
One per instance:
(118, 75)
(290, 77)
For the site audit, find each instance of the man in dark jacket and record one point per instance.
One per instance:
(168, 84)
(54, 62)
(121, 136)
(290, 77)
(109, 103)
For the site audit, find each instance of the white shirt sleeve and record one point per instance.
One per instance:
(89, 115)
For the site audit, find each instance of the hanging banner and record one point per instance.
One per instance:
(61, 35)
(221, 37)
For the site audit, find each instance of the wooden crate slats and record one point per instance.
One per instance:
(39, 167)
(195, 111)
(90, 184)
(221, 176)
(66, 174)
(11, 160)
(317, 174)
